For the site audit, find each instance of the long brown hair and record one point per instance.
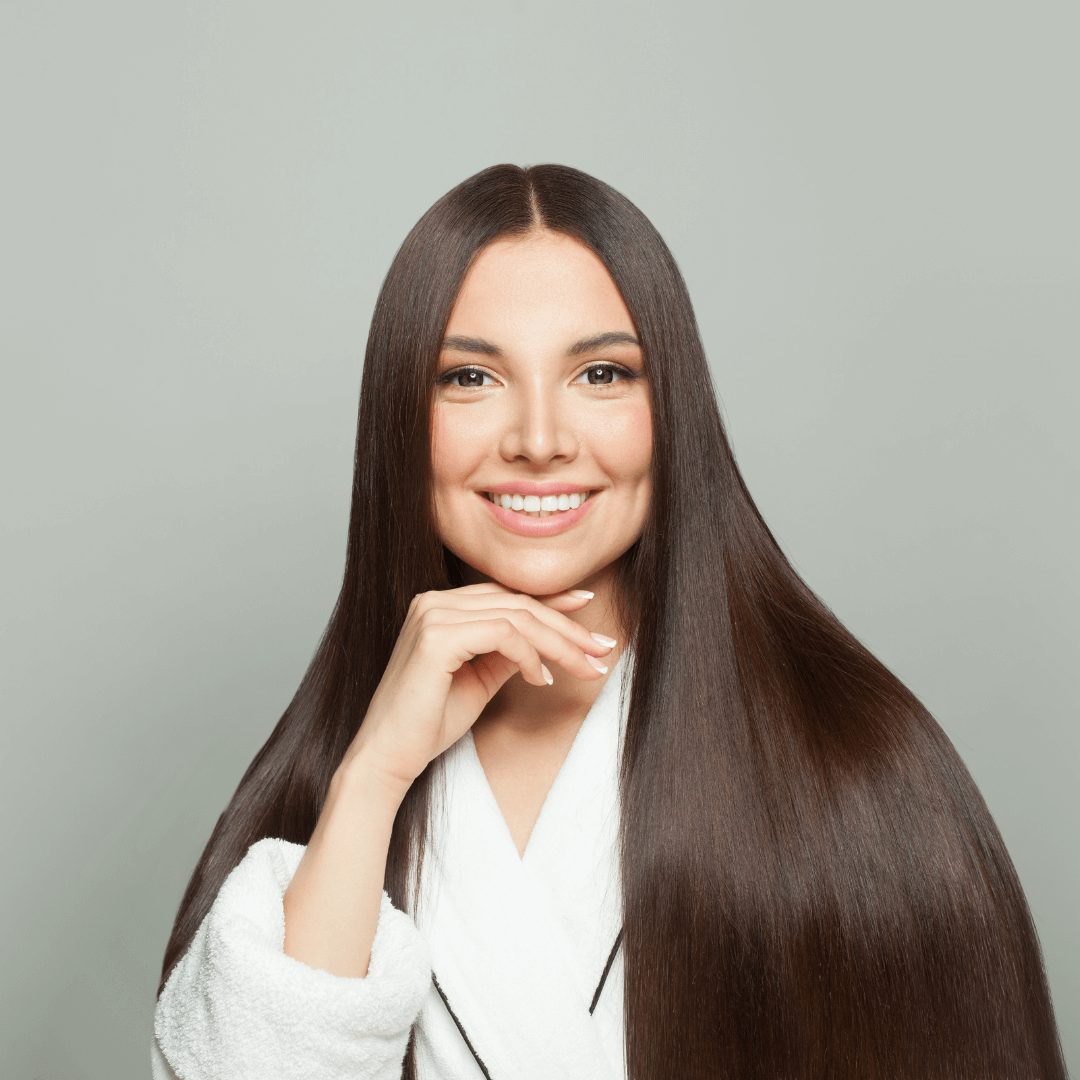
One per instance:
(813, 886)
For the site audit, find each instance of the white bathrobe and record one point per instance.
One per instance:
(497, 972)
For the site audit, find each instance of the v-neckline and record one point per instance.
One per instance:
(519, 941)
(600, 704)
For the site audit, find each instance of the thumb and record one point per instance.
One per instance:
(494, 671)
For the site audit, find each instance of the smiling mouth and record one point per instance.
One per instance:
(539, 506)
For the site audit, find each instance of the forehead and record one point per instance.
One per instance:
(544, 286)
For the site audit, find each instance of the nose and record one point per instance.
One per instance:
(538, 426)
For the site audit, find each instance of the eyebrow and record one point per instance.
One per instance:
(601, 341)
(471, 345)
(587, 345)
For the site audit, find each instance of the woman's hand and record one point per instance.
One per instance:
(455, 651)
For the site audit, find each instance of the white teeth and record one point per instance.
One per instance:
(541, 506)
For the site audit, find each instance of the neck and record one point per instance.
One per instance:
(527, 708)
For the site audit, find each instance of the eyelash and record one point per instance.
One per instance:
(447, 377)
(624, 373)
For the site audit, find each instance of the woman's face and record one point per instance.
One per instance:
(541, 403)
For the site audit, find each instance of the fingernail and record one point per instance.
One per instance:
(547, 674)
(582, 594)
(607, 642)
(602, 668)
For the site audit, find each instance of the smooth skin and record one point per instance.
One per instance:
(541, 381)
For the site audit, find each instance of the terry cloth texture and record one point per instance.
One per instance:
(237, 1008)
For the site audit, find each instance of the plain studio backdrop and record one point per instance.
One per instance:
(874, 206)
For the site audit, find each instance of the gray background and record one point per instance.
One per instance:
(875, 206)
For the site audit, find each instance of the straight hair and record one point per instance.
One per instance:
(812, 884)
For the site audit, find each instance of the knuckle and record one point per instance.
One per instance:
(429, 616)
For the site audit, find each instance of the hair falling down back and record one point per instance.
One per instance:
(813, 886)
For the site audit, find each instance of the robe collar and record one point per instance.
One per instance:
(519, 944)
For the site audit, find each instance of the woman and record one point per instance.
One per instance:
(727, 815)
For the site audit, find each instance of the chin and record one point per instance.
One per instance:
(536, 582)
(532, 578)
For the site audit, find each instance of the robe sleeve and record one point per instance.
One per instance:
(236, 1006)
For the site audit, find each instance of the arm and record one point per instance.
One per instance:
(332, 904)
(454, 653)
(303, 967)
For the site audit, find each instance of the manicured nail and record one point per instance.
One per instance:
(547, 674)
(607, 642)
(602, 668)
(582, 594)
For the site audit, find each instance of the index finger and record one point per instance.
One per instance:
(571, 600)
(568, 600)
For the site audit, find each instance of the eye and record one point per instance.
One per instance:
(602, 374)
(469, 377)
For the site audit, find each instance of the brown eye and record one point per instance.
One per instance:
(470, 378)
(601, 374)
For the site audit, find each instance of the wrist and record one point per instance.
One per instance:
(363, 772)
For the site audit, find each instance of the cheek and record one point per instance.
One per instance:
(454, 444)
(625, 444)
